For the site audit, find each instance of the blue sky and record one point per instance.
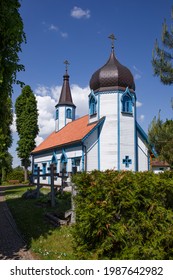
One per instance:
(78, 31)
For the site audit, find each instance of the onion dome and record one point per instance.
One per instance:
(113, 75)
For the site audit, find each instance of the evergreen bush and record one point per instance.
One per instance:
(124, 215)
(16, 175)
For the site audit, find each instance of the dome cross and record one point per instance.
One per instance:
(66, 65)
(112, 37)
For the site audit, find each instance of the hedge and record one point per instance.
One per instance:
(124, 215)
(16, 175)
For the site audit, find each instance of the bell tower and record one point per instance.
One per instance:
(65, 109)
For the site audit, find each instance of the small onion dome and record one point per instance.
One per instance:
(111, 76)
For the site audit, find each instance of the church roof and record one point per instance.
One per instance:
(74, 131)
(65, 97)
(113, 75)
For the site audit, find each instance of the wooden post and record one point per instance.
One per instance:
(38, 182)
(52, 185)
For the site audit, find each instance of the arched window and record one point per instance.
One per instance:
(128, 100)
(127, 104)
(92, 106)
(92, 103)
(68, 114)
(63, 167)
(57, 114)
(54, 161)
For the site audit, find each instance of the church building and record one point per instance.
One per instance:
(109, 137)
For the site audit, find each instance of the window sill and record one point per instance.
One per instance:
(93, 115)
(127, 113)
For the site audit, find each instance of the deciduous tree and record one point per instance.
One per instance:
(11, 38)
(27, 125)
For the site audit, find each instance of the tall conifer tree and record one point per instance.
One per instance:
(27, 125)
(162, 60)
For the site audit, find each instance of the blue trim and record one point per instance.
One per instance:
(142, 132)
(54, 158)
(99, 152)
(83, 161)
(101, 121)
(127, 101)
(114, 92)
(127, 161)
(136, 141)
(69, 113)
(92, 104)
(98, 136)
(63, 157)
(118, 128)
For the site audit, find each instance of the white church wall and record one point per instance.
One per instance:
(71, 152)
(61, 117)
(142, 155)
(127, 141)
(109, 132)
(91, 144)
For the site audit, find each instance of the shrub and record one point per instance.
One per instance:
(123, 215)
(16, 175)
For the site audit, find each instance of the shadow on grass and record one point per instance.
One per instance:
(29, 215)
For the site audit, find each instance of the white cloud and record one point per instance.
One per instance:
(138, 104)
(78, 13)
(137, 76)
(38, 140)
(141, 118)
(64, 34)
(53, 27)
(13, 126)
(46, 110)
(48, 97)
(80, 99)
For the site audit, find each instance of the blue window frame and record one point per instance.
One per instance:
(127, 104)
(92, 106)
(57, 114)
(68, 114)
(44, 170)
(35, 169)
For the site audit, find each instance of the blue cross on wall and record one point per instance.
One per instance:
(127, 161)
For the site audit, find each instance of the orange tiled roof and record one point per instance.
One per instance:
(72, 132)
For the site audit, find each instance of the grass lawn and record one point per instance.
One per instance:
(44, 240)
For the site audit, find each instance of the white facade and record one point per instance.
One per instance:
(116, 141)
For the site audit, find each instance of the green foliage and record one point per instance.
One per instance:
(15, 175)
(11, 38)
(162, 57)
(26, 123)
(160, 135)
(124, 215)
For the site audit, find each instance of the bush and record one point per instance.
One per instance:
(124, 215)
(16, 175)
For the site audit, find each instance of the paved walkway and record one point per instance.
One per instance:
(12, 246)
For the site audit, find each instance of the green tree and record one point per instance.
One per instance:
(160, 136)
(11, 38)
(162, 56)
(27, 125)
(6, 165)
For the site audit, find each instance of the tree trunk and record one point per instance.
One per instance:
(25, 173)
